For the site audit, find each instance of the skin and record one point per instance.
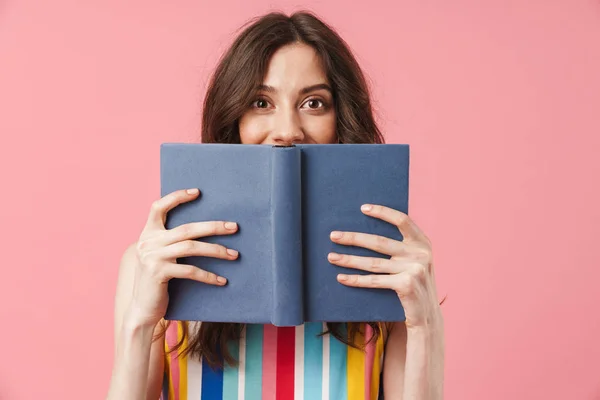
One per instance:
(294, 106)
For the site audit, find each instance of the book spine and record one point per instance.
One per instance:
(286, 208)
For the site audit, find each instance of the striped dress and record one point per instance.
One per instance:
(278, 363)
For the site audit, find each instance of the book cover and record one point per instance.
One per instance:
(286, 201)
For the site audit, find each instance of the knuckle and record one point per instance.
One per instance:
(145, 257)
(221, 250)
(420, 271)
(210, 277)
(376, 264)
(141, 246)
(217, 227)
(154, 269)
(188, 246)
(376, 280)
(189, 272)
(202, 275)
(407, 284)
(421, 253)
(381, 241)
(402, 219)
(410, 284)
(184, 230)
(156, 206)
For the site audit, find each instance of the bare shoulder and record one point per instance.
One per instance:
(393, 330)
(386, 328)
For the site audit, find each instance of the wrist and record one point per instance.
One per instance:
(424, 374)
(432, 328)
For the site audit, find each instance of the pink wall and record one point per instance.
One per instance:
(499, 100)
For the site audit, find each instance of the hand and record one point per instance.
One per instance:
(158, 250)
(409, 271)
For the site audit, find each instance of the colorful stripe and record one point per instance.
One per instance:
(173, 364)
(299, 363)
(313, 357)
(377, 367)
(212, 382)
(254, 361)
(279, 363)
(356, 372)
(269, 371)
(326, 366)
(182, 363)
(369, 358)
(241, 369)
(231, 375)
(194, 379)
(338, 369)
(285, 363)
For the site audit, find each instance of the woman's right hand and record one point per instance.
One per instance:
(157, 251)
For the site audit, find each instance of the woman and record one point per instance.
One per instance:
(284, 80)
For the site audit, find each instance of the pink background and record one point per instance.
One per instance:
(500, 102)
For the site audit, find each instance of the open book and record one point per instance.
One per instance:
(286, 201)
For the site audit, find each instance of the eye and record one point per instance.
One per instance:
(260, 103)
(314, 103)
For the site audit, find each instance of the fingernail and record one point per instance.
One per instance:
(343, 277)
(192, 191)
(220, 279)
(230, 225)
(366, 207)
(336, 235)
(232, 252)
(334, 256)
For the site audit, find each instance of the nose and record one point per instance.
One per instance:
(287, 129)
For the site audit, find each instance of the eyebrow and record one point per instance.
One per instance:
(305, 90)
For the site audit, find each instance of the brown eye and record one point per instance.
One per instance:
(314, 103)
(260, 103)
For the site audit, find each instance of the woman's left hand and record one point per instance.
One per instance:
(409, 271)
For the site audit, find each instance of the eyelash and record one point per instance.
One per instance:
(323, 104)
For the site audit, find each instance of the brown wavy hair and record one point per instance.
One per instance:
(231, 90)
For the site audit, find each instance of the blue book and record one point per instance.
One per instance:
(286, 201)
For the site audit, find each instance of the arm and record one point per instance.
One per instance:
(142, 296)
(138, 360)
(414, 362)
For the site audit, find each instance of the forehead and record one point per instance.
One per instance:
(294, 66)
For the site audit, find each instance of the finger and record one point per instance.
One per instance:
(160, 207)
(369, 264)
(368, 281)
(376, 243)
(408, 229)
(196, 230)
(190, 248)
(185, 271)
(405, 283)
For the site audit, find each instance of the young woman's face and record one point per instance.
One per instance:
(294, 103)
